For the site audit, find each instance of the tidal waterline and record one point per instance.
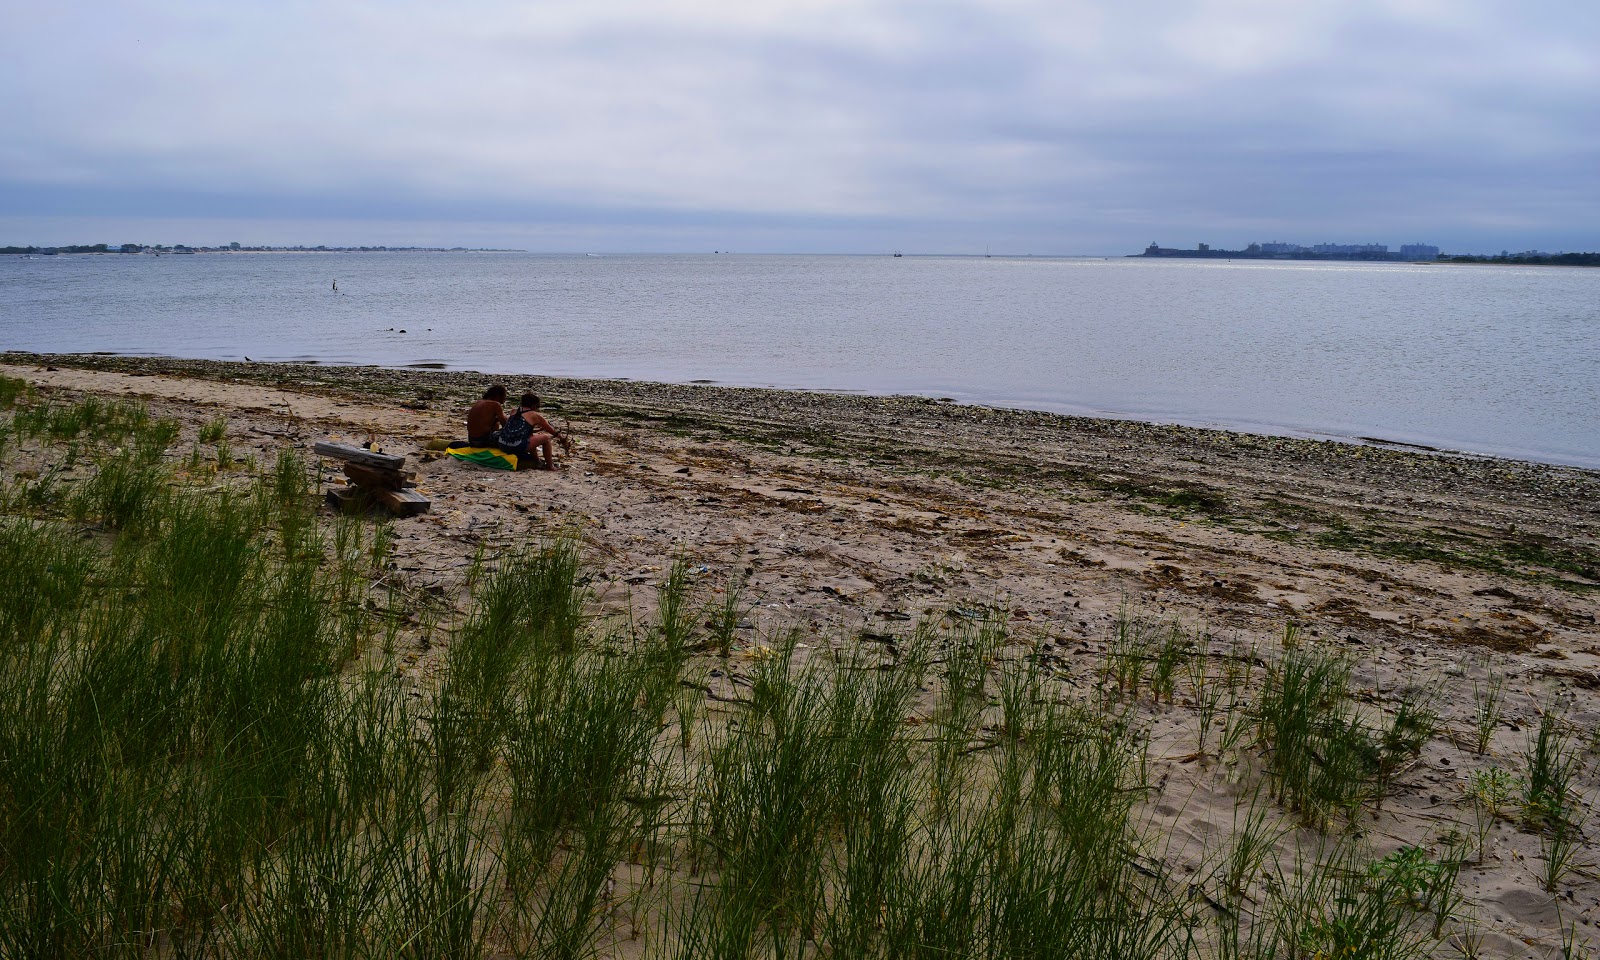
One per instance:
(1494, 360)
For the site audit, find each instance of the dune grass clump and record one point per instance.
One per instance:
(815, 758)
(121, 493)
(177, 669)
(12, 389)
(1323, 759)
(212, 431)
(1338, 903)
(828, 820)
(1549, 804)
(107, 423)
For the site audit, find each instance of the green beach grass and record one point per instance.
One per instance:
(206, 750)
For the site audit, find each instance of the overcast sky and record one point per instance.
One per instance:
(1054, 127)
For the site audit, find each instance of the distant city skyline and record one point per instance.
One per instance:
(1408, 251)
(1278, 249)
(801, 125)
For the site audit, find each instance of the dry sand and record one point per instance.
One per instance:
(849, 513)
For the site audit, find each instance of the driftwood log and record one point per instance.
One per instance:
(379, 479)
(350, 453)
(374, 478)
(403, 503)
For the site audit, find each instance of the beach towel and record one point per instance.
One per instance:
(491, 457)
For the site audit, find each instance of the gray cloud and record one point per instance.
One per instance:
(810, 124)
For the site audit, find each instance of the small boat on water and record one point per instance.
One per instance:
(897, 253)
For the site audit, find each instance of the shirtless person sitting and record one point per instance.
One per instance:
(539, 433)
(486, 418)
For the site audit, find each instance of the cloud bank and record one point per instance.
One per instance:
(1045, 127)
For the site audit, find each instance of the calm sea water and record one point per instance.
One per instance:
(1498, 360)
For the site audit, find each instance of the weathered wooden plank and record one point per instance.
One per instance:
(348, 499)
(404, 503)
(374, 478)
(354, 454)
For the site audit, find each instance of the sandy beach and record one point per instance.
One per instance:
(854, 517)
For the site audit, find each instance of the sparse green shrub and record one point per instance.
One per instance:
(1559, 846)
(12, 389)
(288, 497)
(579, 754)
(1172, 653)
(290, 485)
(527, 611)
(1207, 690)
(123, 492)
(1318, 759)
(1337, 905)
(1322, 758)
(1486, 712)
(67, 421)
(382, 543)
(1414, 723)
(1489, 792)
(1549, 803)
(43, 491)
(31, 421)
(1252, 841)
(214, 430)
(1129, 653)
(1552, 763)
(674, 618)
(1422, 882)
(726, 615)
(967, 655)
(43, 576)
(155, 439)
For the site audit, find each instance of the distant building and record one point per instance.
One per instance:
(1279, 250)
(1349, 249)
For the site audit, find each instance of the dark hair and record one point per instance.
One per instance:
(530, 401)
(496, 392)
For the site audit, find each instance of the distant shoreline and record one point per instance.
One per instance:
(184, 250)
(778, 403)
(1514, 260)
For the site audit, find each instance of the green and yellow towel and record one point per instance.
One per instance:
(492, 457)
